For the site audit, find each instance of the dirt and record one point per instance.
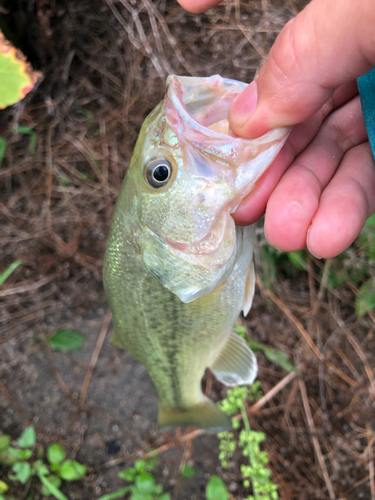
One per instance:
(102, 75)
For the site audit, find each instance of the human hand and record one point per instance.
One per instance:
(321, 188)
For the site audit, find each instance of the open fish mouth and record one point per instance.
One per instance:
(188, 238)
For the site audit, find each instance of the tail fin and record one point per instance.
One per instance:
(205, 415)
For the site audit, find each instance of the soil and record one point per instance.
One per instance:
(104, 65)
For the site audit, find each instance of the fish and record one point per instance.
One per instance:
(177, 271)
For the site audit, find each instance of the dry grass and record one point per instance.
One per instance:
(105, 64)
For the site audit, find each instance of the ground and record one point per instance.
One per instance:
(104, 65)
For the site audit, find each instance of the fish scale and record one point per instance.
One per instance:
(176, 272)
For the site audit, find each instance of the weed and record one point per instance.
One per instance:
(256, 473)
(274, 355)
(66, 340)
(143, 485)
(28, 131)
(3, 148)
(216, 489)
(26, 462)
(8, 271)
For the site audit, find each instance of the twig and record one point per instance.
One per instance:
(272, 393)
(363, 358)
(31, 286)
(291, 316)
(323, 286)
(61, 382)
(370, 438)
(94, 357)
(187, 437)
(14, 403)
(315, 441)
(184, 458)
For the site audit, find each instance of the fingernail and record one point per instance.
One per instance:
(307, 244)
(244, 106)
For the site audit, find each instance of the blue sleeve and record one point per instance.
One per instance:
(366, 87)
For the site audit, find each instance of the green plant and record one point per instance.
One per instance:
(256, 472)
(21, 129)
(143, 485)
(66, 340)
(274, 355)
(8, 271)
(26, 462)
(3, 148)
(216, 489)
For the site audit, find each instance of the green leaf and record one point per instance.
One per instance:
(152, 462)
(145, 483)
(55, 481)
(165, 496)
(28, 131)
(27, 438)
(116, 494)
(3, 487)
(268, 267)
(22, 471)
(273, 355)
(41, 468)
(298, 259)
(52, 488)
(4, 443)
(216, 489)
(188, 471)
(55, 453)
(24, 454)
(365, 300)
(3, 148)
(128, 474)
(66, 340)
(8, 271)
(140, 465)
(72, 470)
(16, 75)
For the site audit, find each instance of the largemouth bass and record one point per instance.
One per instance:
(177, 271)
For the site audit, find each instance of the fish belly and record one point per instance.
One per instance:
(175, 341)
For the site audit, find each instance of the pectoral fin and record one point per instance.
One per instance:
(249, 289)
(236, 363)
(115, 340)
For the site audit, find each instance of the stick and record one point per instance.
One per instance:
(315, 441)
(94, 357)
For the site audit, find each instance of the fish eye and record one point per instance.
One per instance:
(158, 172)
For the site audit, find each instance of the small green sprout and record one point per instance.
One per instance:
(28, 131)
(24, 462)
(144, 486)
(66, 340)
(3, 148)
(216, 489)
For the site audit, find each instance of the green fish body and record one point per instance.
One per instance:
(177, 272)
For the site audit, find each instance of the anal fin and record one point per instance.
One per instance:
(236, 363)
(115, 340)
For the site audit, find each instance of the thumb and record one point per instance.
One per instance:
(326, 45)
